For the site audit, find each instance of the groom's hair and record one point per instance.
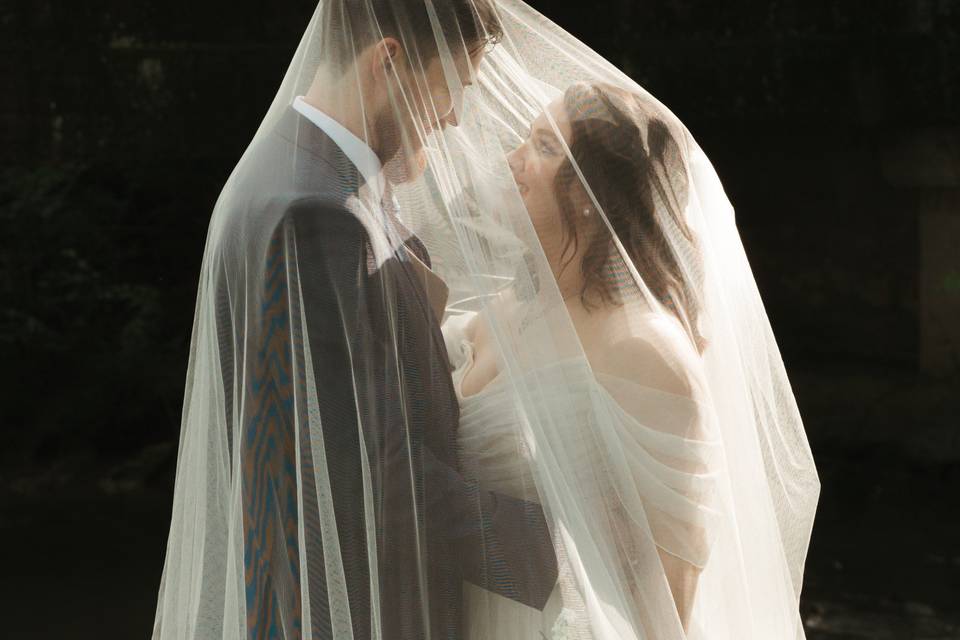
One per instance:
(466, 25)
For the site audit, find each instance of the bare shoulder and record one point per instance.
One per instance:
(653, 353)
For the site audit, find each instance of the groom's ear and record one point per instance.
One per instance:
(386, 54)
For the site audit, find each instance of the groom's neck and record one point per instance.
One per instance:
(332, 102)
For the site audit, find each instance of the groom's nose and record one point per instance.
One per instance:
(449, 119)
(456, 110)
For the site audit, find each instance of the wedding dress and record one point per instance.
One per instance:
(676, 471)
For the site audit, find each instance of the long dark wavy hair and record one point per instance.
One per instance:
(607, 143)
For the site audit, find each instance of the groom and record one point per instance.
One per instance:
(387, 411)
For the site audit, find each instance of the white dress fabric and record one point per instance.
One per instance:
(492, 452)
(665, 467)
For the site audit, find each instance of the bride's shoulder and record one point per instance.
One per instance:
(650, 350)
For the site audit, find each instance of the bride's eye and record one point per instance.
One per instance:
(546, 148)
(539, 145)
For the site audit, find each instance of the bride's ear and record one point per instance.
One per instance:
(580, 200)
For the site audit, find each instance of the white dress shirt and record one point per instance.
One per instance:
(367, 162)
(356, 150)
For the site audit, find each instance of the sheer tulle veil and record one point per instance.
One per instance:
(322, 489)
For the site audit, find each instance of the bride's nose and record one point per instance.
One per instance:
(515, 161)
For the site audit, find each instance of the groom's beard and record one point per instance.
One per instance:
(400, 164)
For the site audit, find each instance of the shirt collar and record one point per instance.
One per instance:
(356, 150)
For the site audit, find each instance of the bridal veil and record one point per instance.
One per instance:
(321, 491)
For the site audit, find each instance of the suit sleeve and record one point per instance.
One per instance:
(499, 542)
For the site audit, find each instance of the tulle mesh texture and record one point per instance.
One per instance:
(477, 353)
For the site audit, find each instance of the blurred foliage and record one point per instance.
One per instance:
(126, 118)
(90, 334)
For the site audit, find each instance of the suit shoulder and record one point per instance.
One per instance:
(323, 219)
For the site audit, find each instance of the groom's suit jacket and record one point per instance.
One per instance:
(384, 401)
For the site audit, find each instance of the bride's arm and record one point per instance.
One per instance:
(642, 365)
(682, 576)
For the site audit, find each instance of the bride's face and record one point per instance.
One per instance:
(534, 165)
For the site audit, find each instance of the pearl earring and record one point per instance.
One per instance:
(586, 211)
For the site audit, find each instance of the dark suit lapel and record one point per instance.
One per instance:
(325, 167)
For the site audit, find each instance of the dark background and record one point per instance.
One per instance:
(833, 126)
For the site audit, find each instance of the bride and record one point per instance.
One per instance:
(645, 358)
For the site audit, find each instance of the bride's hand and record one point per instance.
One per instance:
(455, 329)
